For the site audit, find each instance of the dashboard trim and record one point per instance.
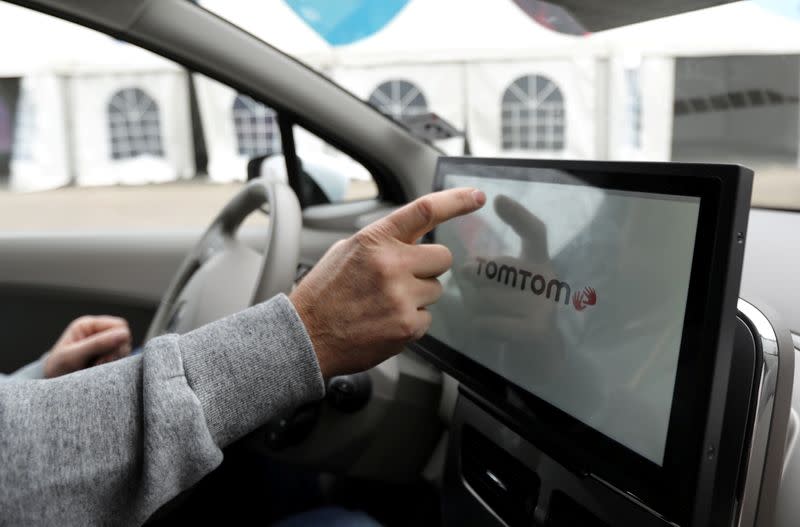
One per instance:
(769, 427)
(763, 410)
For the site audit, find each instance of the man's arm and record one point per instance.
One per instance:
(113, 443)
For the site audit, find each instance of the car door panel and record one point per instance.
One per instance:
(32, 318)
(132, 265)
(47, 280)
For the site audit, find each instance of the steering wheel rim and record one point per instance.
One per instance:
(249, 278)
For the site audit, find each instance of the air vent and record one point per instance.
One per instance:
(507, 486)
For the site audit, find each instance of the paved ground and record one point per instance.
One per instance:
(777, 187)
(173, 205)
(182, 205)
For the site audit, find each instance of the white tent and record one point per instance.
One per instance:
(448, 31)
(274, 22)
(643, 69)
(68, 84)
(463, 56)
(226, 160)
(458, 58)
(729, 29)
(237, 128)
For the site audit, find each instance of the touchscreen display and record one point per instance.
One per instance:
(574, 293)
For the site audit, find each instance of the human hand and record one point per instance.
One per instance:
(507, 296)
(367, 296)
(88, 341)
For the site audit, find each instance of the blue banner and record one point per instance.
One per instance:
(787, 8)
(342, 22)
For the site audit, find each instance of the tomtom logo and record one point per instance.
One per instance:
(583, 299)
(553, 289)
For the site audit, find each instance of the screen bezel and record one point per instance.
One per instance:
(670, 488)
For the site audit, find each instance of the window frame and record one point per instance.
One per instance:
(395, 105)
(141, 135)
(529, 124)
(248, 112)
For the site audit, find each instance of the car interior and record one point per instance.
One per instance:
(436, 435)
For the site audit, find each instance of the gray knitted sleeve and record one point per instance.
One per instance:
(34, 370)
(111, 444)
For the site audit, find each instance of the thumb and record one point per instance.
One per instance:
(85, 350)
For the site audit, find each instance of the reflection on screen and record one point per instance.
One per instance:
(576, 294)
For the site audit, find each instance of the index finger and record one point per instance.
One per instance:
(420, 216)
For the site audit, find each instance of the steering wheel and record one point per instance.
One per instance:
(221, 274)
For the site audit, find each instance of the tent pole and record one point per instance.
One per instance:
(197, 136)
(69, 136)
(467, 148)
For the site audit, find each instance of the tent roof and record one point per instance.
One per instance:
(456, 31)
(737, 28)
(38, 43)
(274, 22)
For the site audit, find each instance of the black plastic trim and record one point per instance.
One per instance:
(682, 491)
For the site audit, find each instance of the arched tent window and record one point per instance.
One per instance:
(5, 127)
(533, 115)
(135, 124)
(256, 126)
(25, 127)
(399, 98)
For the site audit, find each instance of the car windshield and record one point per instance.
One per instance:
(524, 78)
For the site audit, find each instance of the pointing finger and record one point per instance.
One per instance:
(420, 216)
(530, 228)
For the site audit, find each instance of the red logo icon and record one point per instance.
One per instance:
(583, 299)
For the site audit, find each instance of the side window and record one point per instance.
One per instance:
(240, 130)
(96, 134)
(532, 112)
(105, 135)
(331, 175)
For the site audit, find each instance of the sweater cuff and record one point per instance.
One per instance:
(32, 371)
(250, 367)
